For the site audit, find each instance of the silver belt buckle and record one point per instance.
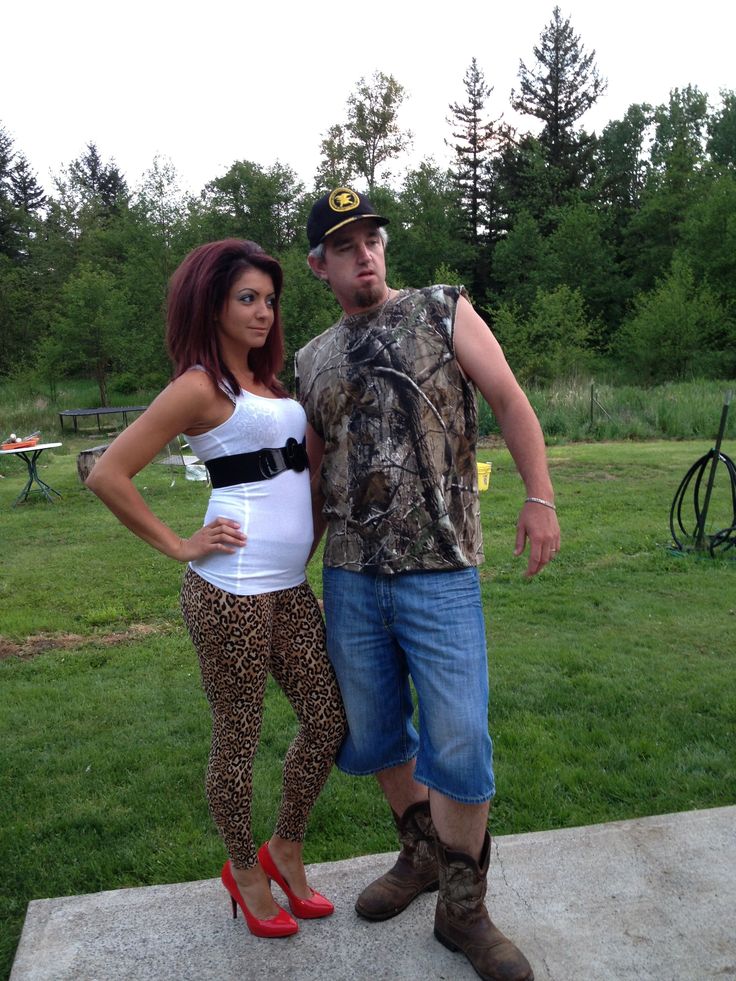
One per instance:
(268, 465)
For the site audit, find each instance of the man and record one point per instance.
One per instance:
(390, 395)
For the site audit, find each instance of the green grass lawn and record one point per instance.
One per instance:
(612, 679)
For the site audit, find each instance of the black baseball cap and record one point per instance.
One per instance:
(335, 209)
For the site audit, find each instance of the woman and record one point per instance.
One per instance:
(245, 599)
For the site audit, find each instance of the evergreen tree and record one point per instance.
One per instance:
(8, 236)
(7, 154)
(558, 91)
(99, 186)
(26, 192)
(23, 305)
(526, 183)
(91, 196)
(474, 138)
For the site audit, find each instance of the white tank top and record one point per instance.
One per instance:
(275, 514)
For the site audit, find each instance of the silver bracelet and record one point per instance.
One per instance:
(540, 500)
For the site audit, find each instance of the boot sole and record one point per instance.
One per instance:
(380, 917)
(446, 942)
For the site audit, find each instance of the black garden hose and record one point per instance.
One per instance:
(722, 540)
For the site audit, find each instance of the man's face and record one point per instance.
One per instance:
(355, 266)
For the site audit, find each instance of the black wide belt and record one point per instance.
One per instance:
(245, 468)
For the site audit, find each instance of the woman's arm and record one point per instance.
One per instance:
(189, 402)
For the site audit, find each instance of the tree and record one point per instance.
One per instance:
(27, 286)
(622, 164)
(708, 239)
(679, 130)
(428, 232)
(526, 182)
(161, 200)
(15, 299)
(91, 202)
(370, 136)
(677, 330)
(548, 343)
(336, 165)
(90, 325)
(721, 127)
(8, 231)
(27, 194)
(307, 308)
(98, 187)
(7, 154)
(577, 255)
(558, 91)
(675, 180)
(151, 235)
(472, 151)
(250, 201)
(517, 263)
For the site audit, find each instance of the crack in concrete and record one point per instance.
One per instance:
(520, 896)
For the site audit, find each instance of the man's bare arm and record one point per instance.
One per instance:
(480, 356)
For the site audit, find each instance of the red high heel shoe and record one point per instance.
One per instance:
(280, 925)
(306, 909)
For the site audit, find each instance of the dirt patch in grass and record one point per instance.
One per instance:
(41, 643)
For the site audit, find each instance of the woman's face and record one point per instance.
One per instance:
(247, 316)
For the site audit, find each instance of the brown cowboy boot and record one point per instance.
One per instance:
(414, 872)
(462, 922)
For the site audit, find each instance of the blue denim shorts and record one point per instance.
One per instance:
(383, 631)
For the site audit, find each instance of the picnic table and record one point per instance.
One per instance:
(30, 455)
(74, 414)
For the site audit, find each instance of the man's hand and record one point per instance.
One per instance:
(539, 525)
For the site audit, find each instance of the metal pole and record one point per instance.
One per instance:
(700, 539)
(592, 397)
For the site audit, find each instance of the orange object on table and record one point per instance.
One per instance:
(20, 445)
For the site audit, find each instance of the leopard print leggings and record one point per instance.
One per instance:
(238, 640)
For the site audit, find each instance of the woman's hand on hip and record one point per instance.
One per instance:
(220, 535)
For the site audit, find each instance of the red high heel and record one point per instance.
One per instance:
(280, 925)
(307, 909)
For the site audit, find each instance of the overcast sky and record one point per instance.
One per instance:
(209, 83)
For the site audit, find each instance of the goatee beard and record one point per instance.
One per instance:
(368, 296)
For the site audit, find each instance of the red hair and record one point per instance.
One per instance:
(198, 291)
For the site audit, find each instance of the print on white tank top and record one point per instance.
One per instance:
(275, 514)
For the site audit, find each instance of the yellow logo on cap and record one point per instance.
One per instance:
(343, 199)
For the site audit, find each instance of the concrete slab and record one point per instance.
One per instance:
(642, 900)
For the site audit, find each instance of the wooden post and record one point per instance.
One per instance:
(87, 459)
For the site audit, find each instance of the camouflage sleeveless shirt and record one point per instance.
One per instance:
(399, 422)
